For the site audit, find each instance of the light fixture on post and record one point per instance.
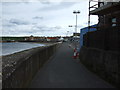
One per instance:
(71, 25)
(76, 12)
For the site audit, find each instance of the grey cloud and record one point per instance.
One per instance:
(14, 3)
(16, 31)
(6, 23)
(34, 23)
(37, 17)
(18, 22)
(56, 27)
(38, 28)
(45, 1)
(44, 29)
(61, 5)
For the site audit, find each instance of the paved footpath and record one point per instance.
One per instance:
(62, 71)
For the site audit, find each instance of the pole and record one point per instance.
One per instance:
(88, 26)
(76, 31)
(89, 17)
(76, 24)
(76, 27)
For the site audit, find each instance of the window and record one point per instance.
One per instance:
(114, 22)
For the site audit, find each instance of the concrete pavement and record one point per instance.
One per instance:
(62, 71)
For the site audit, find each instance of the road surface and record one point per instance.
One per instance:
(62, 71)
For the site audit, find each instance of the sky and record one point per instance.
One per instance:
(43, 17)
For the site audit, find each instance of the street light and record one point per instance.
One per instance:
(76, 12)
(71, 25)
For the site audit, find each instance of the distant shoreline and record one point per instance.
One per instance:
(45, 43)
(28, 41)
(18, 48)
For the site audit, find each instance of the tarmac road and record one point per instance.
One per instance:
(62, 71)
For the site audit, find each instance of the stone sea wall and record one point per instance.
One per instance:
(19, 69)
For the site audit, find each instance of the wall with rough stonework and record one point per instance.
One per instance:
(106, 64)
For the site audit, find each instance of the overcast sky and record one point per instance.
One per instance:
(43, 18)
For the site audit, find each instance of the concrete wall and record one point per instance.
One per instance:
(106, 64)
(19, 69)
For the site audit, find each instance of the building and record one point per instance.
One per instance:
(35, 38)
(101, 48)
(108, 13)
(107, 35)
(84, 31)
(52, 39)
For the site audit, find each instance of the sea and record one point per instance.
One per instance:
(7, 48)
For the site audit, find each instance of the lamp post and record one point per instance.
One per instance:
(76, 12)
(71, 25)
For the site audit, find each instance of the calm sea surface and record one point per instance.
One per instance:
(9, 48)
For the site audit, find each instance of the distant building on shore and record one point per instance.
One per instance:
(52, 39)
